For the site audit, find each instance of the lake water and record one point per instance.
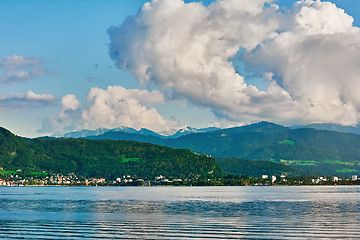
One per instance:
(309, 212)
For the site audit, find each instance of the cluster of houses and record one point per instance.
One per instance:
(44, 178)
(334, 179)
(55, 179)
(131, 180)
(273, 178)
(48, 179)
(73, 179)
(318, 180)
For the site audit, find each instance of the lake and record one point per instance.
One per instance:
(276, 212)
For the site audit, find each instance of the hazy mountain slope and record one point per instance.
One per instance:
(118, 135)
(255, 168)
(86, 133)
(331, 127)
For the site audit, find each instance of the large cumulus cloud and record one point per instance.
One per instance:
(117, 106)
(109, 108)
(309, 53)
(315, 59)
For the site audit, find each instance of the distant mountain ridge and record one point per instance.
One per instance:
(86, 133)
(188, 130)
(143, 131)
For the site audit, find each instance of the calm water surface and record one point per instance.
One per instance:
(331, 212)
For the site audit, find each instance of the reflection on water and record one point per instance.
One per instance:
(180, 212)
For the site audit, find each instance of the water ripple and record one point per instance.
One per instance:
(181, 213)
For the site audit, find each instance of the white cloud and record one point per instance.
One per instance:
(186, 48)
(69, 103)
(117, 106)
(311, 54)
(26, 100)
(16, 62)
(19, 68)
(315, 59)
(112, 107)
(68, 118)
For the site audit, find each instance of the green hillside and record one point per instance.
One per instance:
(255, 168)
(103, 158)
(308, 150)
(14, 151)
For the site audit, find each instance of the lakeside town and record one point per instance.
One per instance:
(20, 178)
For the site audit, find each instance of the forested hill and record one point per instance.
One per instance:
(265, 141)
(309, 150)
(14, 151)
(102, 158)
(261, 141)
(318, 151)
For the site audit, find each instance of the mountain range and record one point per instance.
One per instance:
(306, 149)
(188, 130)
(256, 148)
(143, 131)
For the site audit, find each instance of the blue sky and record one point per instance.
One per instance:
(64, 46)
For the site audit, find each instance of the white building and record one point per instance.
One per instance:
(354, 177)
(158, 178)
(273, 179)
(2, 182)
